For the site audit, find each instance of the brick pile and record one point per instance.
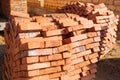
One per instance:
(103, 19)
(11, 6)
(51, 47)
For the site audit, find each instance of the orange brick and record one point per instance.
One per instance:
(32, 45)
(35, 66)
(63, 48)
(55, 50)
(85, 63)
(29, 26)
(43, 58)
(94, 60)
(55, 57)
(91, 34)
(54, 43)
(75, 38)
(92, 45)
(32, 73)
(96, 39)
(55, 75)
(86, 41)
(65, 77)
(78, 60)
(96, 49)
(57, 63)
(66, 54)
(83, 53)
(28, 60)
(74, 72)
(53, 32)
(50, 70)
(94, 55)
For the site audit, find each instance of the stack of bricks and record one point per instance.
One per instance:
(51, 47)
(103, 19)
(9, 7)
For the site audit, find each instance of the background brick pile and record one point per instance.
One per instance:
(53, 47)
(113, 5)
(102, 18)
(11, 6)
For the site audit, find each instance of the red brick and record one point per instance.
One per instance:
(86, 41)
(86, 52)
(43, 58)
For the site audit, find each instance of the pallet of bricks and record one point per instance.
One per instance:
(102, 18)
(59, 46)
(53, 47)
(10, 7)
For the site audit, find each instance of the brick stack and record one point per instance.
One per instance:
(102, 18)
(11, 6)
(51, 47)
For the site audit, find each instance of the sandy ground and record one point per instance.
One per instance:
(108, 67)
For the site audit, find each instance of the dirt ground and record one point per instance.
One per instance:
(108, 67)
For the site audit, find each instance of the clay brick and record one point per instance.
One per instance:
(86, 41)
(83, 53)
(94, 55)
(55, 50)
(53, 43)
(85, 63)
(76, 38)
(96, 39)
(55, 57)
(29, 26)
(92, 45)
(85, 73)
(35, 66)
(50, 70)
(66, 54)
(75, 77)
(91, 34)
(86, 68)
(74, 72)
(53, 32)
(55, 75)
(32, 73)
(96, 49)
(57, 63)
(32, 45)
(94, 60)
(28, 60)
(65, 77)
(43, 58)
(78, 60)
(63, 48)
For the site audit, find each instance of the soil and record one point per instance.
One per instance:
(108, 66)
